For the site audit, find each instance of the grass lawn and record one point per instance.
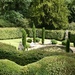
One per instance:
(15, 42)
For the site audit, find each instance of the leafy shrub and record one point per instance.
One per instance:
(64, 42)
(9, 68)
(27, 45)
(24, 38)
(10, 33)
(29, 40)
(54, 41)
(72, 26)
(50, 34)
(53, 65)
(24, 57)
(43, 35)
(5, 23)
(37, 39)
(68, 45)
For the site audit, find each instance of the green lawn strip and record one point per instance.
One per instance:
(15, 42)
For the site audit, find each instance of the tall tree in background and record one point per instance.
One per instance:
(51, 14)
(71, 7)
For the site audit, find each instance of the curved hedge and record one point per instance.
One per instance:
(9, 68)
(26, 57)
(10, 33)
(52, 65)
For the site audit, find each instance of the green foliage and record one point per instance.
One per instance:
(5, 23)
(10, 33)
(43, 35)
(64, 42)
(34, 33)
(50, 34)
(72, 35)
(23, 58)
(9, 68)
(53, 65)
(72, 26)
(71, 7)
(50, 14)
(29, 40)
(37, 39)
(54, 41)
(24, 38)
(68, 45)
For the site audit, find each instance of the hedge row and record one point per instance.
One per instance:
(52, 65)
(10, 33)
(50, 34)
(26, 57)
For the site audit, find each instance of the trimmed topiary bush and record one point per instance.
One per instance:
(29, 40)
(53, 65)
(64, 42)
(43, 35)
(54, 41)
(37, 39)
(24, 38)
(68, 45)
(50, 34)
(34, 34)
(9, 68)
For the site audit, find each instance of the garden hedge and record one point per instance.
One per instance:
(52, 65)
(10, 33)
(50, 34)
(26, 57)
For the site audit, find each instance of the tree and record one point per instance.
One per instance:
(24, 38)
(43, 35)
(34, 33)
(51, 14)
(71, 7)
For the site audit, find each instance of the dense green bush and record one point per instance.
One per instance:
(54, 41)
(29, 40)
(9, 68)
(50, 34)
(34, 33)
(37, 39)
(10, 33)
(25, 57)
(72, 35)
(5, 23)
(53, 65)
(72, 26)
(68, 45)
(43, 35)
(64, 42)
(24, 38)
